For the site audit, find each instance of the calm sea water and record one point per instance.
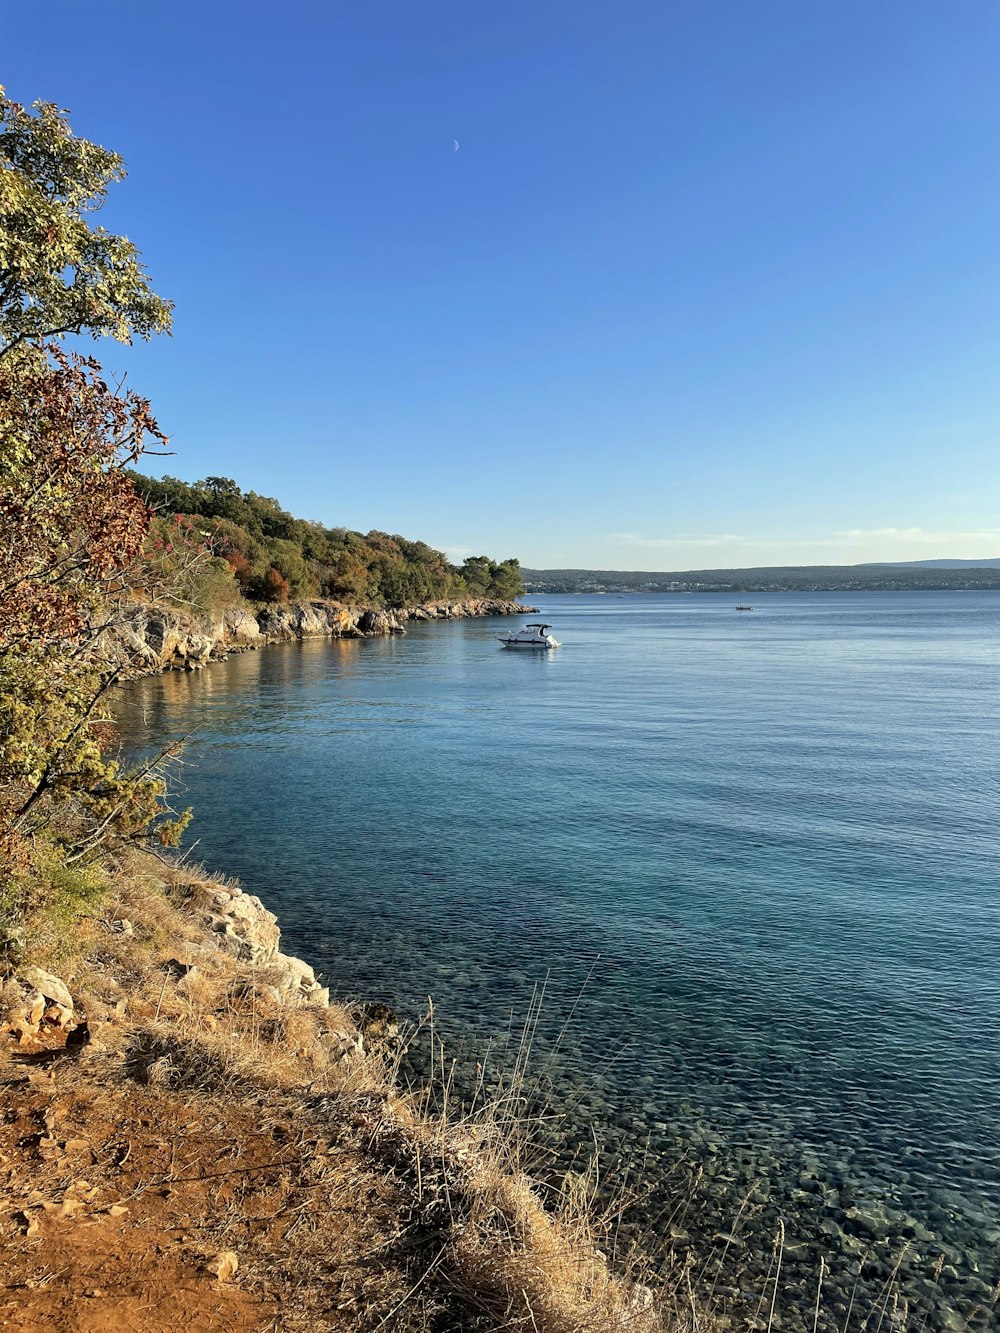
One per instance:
(756, 855)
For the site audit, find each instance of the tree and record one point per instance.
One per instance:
(71, 531)
(506, 581)
(58, 274)
(484, 577)
(72, 527)
(476, 573)
(70, 520)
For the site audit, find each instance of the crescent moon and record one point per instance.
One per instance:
(455, 142)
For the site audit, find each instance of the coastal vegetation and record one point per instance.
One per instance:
(272, 556)
(84, 539)
(72, 529)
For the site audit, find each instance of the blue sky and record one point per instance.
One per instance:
(704, 283)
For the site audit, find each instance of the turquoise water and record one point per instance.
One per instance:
(756, 855)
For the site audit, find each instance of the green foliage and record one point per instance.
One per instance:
(72, 527)
(484, 577)
(59, 274)
(274, 556)
(49, 893)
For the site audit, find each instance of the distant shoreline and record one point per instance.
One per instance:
(950, 577)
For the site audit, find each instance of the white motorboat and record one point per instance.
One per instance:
(533, 635)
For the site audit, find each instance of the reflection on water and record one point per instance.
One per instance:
(767, 840)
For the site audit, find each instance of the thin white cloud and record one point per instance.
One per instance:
(916, 535)
(711, 539)
(844, 537)
(846, 546)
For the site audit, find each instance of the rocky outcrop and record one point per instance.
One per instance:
(37, 1008)
(241, 925)
(158, 639)
(33, 1003)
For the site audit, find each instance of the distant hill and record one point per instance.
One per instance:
(918, 574)
(943, 564)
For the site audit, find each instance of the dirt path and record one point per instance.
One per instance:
(116, 1200)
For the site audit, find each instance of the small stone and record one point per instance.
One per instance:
(33, 1008)
(58, 1015)
(223, 1265)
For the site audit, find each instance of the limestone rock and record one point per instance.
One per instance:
(152, 638)
(640, 1314)
(195, 648)
(295, 981)
(51, 987)
(377, 1024)
(341, 1043)
(59, 1016)
(275, 622)
(240, 626)
(129, 645)
(162, 634)
(311, 619)
(23, 1011)
(255, 928)
(223, 1265)
(27, 1006)
(374, 622)
(240, 921)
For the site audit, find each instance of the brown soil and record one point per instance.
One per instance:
(115, 1201)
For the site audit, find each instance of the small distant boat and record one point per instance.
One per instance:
(743, 606)
(533, 635)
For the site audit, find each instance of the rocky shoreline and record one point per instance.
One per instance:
(220, 918)
(154, 638)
